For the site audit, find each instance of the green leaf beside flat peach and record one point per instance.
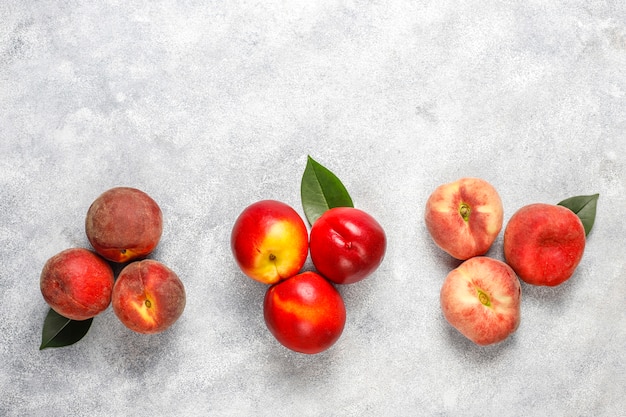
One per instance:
(585, 208)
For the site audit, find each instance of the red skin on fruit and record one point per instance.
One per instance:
(124, 224)
(77, 283)
(544, 243)
(305, 313)
(481, 299)
(148, 297)
(464, 217)
(269, 241)
(347, 245)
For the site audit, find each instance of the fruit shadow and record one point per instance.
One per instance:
(471, 351)
(117, 268)
(302, 365)
(137, 355)
(554, 296)
(442, 258)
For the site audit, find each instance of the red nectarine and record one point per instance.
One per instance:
(305, 313)
(347, 244)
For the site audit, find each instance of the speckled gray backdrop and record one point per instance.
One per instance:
(209, 106)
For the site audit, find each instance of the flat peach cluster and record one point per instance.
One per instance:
(543, 245)
(123, 225)
(270, 243)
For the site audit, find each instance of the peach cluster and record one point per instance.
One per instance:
(270, 243)
(543, 245)
(123, 225)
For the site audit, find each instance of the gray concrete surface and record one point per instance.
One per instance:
(210, 106)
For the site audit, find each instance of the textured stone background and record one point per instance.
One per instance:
(210, 106)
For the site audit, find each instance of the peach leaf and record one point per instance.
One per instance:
(321, 190)
(59, 331)
(585, 208)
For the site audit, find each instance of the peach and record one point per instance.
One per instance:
(77, 283)
(481, 299)
(305, 313)
(269, 241)
(544, 243)
(464, 217)
(124, 224)
(148, 297)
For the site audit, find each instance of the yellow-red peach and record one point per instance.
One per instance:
(124, 224)
(77, 283)
(464, 217)
(544, 243)
(481, 299)
(269, 241)
(148, 297)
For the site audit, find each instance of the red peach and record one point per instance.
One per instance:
(148, 297)
(481, 299)
(464, 217)
(124, 224)
(77, 283)
(544, 243)
(347, 244)
(269, 241)
(305, 313)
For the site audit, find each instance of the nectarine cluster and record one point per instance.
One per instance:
(543, 245)
(303, 310)
(123, 225)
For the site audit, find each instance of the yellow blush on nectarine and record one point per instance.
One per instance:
(269, 241)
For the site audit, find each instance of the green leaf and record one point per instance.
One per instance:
(585, 208)
(321, 190)
(59, 331)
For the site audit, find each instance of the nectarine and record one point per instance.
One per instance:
(305, 313)
(269, 241)
(347, 244)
